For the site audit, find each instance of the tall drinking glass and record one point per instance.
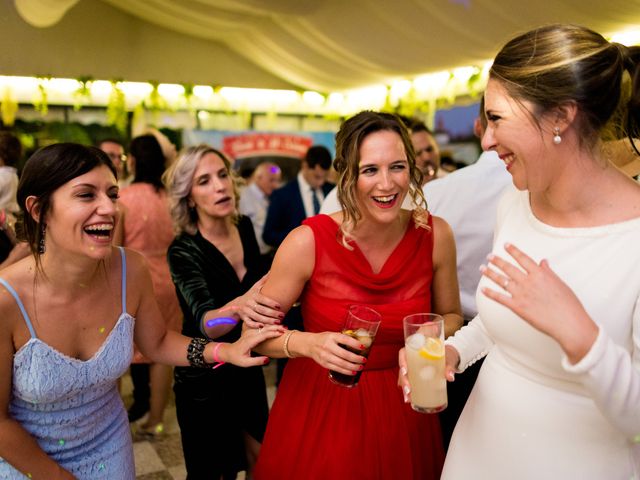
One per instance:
(362, 324)
(424, 346)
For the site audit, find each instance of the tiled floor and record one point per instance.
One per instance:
(161, 459)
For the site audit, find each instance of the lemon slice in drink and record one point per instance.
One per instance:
(433, 349)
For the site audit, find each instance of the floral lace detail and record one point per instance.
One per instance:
(85, 427)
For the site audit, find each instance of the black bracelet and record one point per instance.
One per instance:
(195, 353)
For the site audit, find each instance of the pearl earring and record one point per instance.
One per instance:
(557, 139)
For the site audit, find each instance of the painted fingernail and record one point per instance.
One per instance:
(277, 322)
(361, 367)
(365, 360)
(403, 371)
(406, 390)
(353, 373)
(362, 347)
(266, 361)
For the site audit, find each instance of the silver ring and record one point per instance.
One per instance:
(505, 284)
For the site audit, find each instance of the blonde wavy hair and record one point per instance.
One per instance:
(348, 141)
(178, 180)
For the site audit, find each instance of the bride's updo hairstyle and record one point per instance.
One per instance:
(557, 64)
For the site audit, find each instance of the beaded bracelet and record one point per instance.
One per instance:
(285, 346)
(195, 353)
(219, 362)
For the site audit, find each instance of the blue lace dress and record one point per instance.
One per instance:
(72, 407)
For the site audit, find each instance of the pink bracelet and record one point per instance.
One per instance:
(219, 363)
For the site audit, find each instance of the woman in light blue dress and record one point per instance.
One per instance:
(70, 313)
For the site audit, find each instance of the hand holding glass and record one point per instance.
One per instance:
(362, 324)
(424, 346)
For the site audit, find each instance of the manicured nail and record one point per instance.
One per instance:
(361, 367)
(277, 322)
(406, 390)
(266, 361)
(403, 371)
(353, 373)
(362, 347)
(365, 360)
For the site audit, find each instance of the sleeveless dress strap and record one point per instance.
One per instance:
(22, 309)
(123, 259)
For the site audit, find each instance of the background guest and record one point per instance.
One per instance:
(217, 270)
(146, 227)
(254, 200)
(114, 148)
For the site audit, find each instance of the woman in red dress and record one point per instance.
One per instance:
(372, 253)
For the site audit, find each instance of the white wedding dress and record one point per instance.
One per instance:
(533, 415)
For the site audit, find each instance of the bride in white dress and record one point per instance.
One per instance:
(558, 396)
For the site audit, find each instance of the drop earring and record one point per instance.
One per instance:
(557, 139)
(41, 246)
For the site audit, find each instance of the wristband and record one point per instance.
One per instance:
(219, 362)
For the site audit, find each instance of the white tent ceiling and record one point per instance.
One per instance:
(325, 45)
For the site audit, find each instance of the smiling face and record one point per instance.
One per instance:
(526, 148)
(212, 191)
(83, 214)
(383, 176)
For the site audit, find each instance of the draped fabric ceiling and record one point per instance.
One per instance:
(337, 45)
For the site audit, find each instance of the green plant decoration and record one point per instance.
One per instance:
(41, 103)
(82, 95)
(8, 108)
(188, 96)
(155, 102)
(116, 108)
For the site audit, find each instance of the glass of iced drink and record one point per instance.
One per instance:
(424, 346)
(362, 324)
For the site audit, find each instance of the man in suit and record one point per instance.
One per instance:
(300, 198)
(289, 206)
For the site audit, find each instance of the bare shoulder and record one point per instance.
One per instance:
(136, 263)
(441, 229)
(20, 278)
(297, 251)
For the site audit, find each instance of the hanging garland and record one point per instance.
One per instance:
(117, 109)
(82, 95)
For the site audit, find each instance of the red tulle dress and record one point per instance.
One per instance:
(319, 430)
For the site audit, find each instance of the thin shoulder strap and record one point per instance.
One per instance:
(123, 259)
(22, 309)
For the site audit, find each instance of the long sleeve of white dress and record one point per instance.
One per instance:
(612, 377)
